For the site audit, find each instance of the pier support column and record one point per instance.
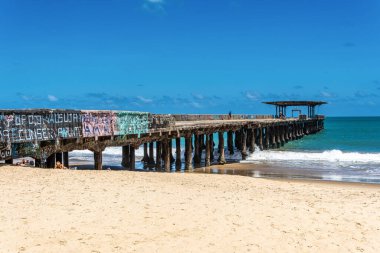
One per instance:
(261, 138)
(125, 162)
(253, 140)
(38, 163)
(158, 154)
(208, 151)
(188, 153)
(66, 159)
(9, 161)
(132, 158)
(178, 153)
(151, 154)
(212, 144)
(167, 154)
(244, 153)
(267, 136)
(278, 136)
(230, 142)
(238, 139)
(146, 157)
(222, 159)
(50, 161)
(197, 147)
(172, 160)
(98, 159)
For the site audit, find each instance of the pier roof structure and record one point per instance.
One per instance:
(282, 105)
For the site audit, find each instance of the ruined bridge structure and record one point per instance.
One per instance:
(48, 135)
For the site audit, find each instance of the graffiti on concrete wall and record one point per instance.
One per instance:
(21, 131)
(98, 123)
(5, 151)
(39, 126)
(131, 123)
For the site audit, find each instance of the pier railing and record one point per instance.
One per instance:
(200, 117)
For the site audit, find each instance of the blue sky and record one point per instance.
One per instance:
(188, 56)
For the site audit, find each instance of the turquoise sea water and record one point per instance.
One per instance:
(348, 134)
(348, 149)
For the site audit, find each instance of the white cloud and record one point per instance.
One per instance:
(154, 5)
(252, 96)
(52, 98)
(145, 100)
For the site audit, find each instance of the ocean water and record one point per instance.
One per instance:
(348, 149)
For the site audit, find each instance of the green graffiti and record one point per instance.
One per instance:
(131, 123)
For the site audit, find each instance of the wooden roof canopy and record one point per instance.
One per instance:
(296, 103)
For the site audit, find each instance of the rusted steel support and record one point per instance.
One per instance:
(222, 159)
(261, 129)
(125, 162)
(145, 158)
(230, 142)
(253, 139)
(151, 154)
(98, 159)
(158, 154)
(208, 151)
(188, 153)
(167, 154)
(197, 147)
(132, 158)
(66, 159)
(178, 152)
(244, 153)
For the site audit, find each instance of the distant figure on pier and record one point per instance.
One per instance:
(230, 115)
(282, 116)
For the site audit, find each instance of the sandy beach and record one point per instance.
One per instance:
(122, 211)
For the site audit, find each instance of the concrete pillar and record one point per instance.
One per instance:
(50, 161)
(38, 163)
(208, 151)
(178, 153)
(151, 154)
(244, 153)
(167, 154)
(145, 158)
(59, 157)
(212, 144)
(222, 159)
(253, 140)
(98, 159)
(230, 142)
(158, 154)
(66, 159)
(132, 158)
(188, 153)
(267, 136)
(197, 147)
(172, 160)
(125, 162)
(9, 161)
(261, 146)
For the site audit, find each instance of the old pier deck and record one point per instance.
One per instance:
(48, 135)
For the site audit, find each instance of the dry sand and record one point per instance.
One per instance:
(121, 211)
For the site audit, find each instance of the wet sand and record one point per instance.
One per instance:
(122, 211)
